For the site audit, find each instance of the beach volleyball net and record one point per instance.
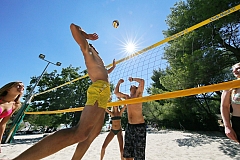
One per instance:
(143, 63)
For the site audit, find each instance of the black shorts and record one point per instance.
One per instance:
(236, 125)
(135, 141)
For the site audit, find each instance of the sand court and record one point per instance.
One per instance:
(161, 145)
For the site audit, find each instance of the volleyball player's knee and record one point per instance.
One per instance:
(97, 133)
(93, 135)
(78, 135)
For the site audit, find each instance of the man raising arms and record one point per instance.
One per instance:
(92, 117)
(135, 134)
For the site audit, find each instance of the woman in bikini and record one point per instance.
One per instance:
(232, 98)
(116, 115)
(9, 102)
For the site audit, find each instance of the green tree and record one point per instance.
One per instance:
(217, 43)
(71, 95)
(201, 57)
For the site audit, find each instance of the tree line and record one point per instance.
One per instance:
(201, 57)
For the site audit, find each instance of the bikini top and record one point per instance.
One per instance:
(116, 118)
(3, 113)
(235, 98)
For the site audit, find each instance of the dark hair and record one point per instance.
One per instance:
(4, 92)
(134, 86)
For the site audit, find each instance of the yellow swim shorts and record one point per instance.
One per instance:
(98, 91)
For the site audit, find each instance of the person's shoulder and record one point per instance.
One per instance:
(139, 93)
(227, 91)
(16, 106)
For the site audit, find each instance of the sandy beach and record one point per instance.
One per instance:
(165, 144)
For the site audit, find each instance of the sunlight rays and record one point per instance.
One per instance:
(129, 44)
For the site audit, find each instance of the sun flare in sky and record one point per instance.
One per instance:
(130, 47)
(129, 44)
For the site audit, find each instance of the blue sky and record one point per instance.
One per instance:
(28, 28)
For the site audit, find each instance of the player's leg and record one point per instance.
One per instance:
(106, 142)
(140, 141)
(120, 142)
(83, 146)
(63, 138)
(128, 152)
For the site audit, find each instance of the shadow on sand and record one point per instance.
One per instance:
(192, 139)
(227, 146)
(26, 140)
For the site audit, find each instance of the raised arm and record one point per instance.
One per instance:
(140, 84)
(118, 93)
(124, 107)
(80, 37)
(112, 68)
(225, 113)
(109, 112)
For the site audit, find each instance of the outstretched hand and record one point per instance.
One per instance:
(112, 68)
(130, 79)
(121, 81)
(114, 63)
(93, 36)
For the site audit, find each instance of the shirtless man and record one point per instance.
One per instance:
(92, 117)
(135, 134)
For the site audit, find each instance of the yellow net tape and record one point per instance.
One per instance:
(181, 93)
(57, 111)
(175, 94)
(214, 18)
(61, 85)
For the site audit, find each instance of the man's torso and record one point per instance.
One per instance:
(95, 67)
(135, 115)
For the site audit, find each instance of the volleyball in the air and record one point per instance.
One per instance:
(115, 23)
